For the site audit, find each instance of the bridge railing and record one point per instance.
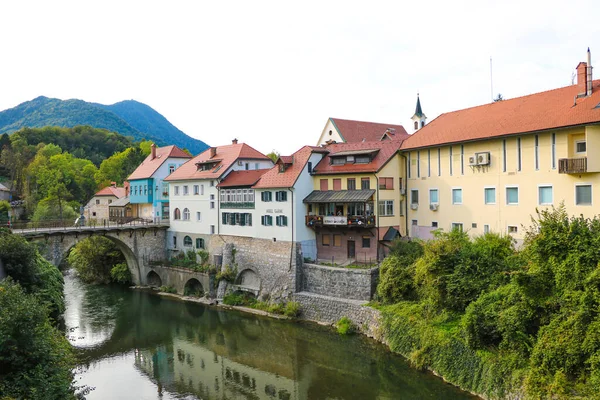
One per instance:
(63, 225)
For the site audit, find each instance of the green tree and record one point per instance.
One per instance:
(94, 258)
(273, 155)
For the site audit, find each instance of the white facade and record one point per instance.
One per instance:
(330, 132)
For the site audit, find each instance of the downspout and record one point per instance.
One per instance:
(218, 200)
(376, 208)
(292, 245)
(406, 166)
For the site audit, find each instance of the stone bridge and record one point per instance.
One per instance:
(140, 244)
(184, 280)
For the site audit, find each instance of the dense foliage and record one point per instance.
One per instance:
(495, 320)
(128, 118)
(98, 260)
(35, 358)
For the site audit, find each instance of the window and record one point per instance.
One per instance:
(386, 183)
(553, 151)
(580, 146)
(324, 184)
(201, 190)
(486, 229)
(518, 154)
(176, 190)
(187, 241)
(212, 229)
(457, 226)
(337, 240)
(544, 195)
(337, 184)
(536, 152)
(145, 189)
(309, 167)
(386, 208)
(366, 242)
(247, 167)
(365, 183)
(177, 214)
(280, 195)
(512, 229)
(583, 195)
(212, 183)
(433, 196)
(212, 201)
(186, 214)
(351, 183)
(281, 220)
(474, 225)
(266, 196)
(512, 195)
(504, 155)
(362, 159)
(414, 222)
(489, 195)
(414, 196)
(338, 160)
(416, 125)
(196, 190)
(109, 201)
(266, 220)
(171, 168)
(97, 201)
(457, 196)
(325, 240)
(199, 243)
(94, 214)
(434, 224)
(174, 242)
(198, 216)
(185, 190)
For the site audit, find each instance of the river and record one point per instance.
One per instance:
(136, 345)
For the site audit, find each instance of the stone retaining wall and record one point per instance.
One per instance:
(329, 310)
(347, 283)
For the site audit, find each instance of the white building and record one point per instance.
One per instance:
(194, 195)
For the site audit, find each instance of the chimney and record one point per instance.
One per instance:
(589, 73)
(234, 141)
(113, 184)
(213, 152)
(153, 151)
(582, 79)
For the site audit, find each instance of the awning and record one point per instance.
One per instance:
(339, 196)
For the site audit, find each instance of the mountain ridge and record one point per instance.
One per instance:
(128, 118)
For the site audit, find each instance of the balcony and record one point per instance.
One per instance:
(572, 165)
(355, 221)
(234, 204)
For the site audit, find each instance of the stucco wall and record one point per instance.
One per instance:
(356, 284)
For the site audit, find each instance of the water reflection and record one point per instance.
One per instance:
(155, 348)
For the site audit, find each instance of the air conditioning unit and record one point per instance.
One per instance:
(414, 206)
(403, 191)
(483, 158)
(473, 160)
(434, 207)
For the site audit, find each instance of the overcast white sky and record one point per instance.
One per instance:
(271, 73)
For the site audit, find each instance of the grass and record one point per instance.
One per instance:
(289, 309)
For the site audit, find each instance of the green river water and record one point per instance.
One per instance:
(136, 345)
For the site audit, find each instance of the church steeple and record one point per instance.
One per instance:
(419, 118)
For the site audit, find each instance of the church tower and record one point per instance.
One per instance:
(419, 118)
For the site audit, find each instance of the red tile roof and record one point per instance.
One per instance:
(226, 154)
(149, 166)
(117, 192)
(386, 150)
(357, 131)
(276, 179)
(242, 178)
(536, 112)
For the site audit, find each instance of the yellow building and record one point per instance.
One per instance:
(357, 206)
(488, 168)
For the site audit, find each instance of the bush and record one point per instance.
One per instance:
(203, 254)
(345, 326)
(291, 309)
(238, 299)
(120, 273)
(227, 274)
(168, 289)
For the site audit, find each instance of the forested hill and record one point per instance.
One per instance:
(129, 118)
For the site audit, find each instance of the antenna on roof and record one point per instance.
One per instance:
(491, 81)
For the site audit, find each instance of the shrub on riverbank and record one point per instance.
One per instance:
(345, 326)
(289, 309)
(498, 321)
(94, 258)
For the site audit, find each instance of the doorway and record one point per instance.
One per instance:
(351, 249)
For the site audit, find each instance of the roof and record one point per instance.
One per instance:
(390, 234)
(276, 179)
(536, 112)
(117, 192)
(385, 151)
(4, 188)
(358, 131)
(224, 156)
(355, 152)
(418, 110)
(120, 203)
(242, 178)
(345, 196)
(149, 166)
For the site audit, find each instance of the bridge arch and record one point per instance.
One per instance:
(153, 279)
(193, 287)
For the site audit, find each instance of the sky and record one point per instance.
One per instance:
(270, 73)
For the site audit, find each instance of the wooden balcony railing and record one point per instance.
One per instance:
(572, 165)
(357, 221)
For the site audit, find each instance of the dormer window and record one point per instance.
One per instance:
(362, 159)
(281, 167)
(338, 160)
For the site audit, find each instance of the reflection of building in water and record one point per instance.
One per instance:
(189, 367)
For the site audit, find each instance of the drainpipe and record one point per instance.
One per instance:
(376, 207)
(292, 246)
(218, 201)
(406, 166)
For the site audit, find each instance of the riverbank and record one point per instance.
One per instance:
(326, 311)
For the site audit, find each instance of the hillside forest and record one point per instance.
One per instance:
(53, 171)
